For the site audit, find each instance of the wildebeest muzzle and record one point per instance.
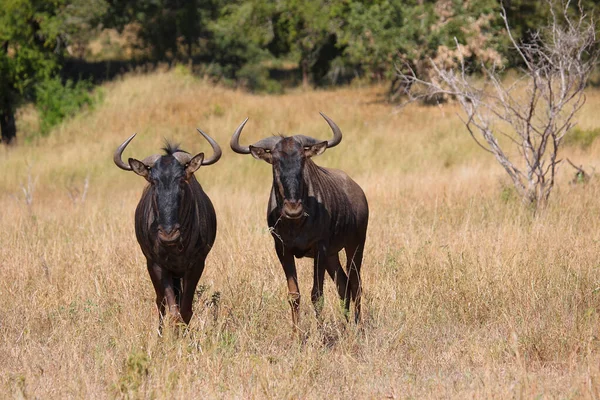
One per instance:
(292, 209)
(169, 237)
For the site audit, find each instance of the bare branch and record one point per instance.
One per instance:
(538, 108)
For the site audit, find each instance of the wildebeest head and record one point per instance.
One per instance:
(169, 176)
(288, 157)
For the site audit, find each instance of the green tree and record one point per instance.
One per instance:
(33, 37)
(372, 36)
(240, 36)
(28, 43)
(380, 34)
(309, 27)
(169, 29)
(300, 31)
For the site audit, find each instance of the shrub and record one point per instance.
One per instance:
(255, 77)
(56, 102)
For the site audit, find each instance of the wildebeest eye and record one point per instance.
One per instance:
(267, 150)
(306, 148)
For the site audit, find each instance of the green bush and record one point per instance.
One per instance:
(255, 77)
(56, 102)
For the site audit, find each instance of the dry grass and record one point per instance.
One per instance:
(466, 293)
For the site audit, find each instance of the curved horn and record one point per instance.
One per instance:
(235, 140)
(337, 133)
(216, 149)
(119, 152)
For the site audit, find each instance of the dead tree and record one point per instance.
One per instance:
(531, 114)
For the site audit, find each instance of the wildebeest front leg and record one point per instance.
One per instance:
(163, 285)
(336, 272)
(320, 265)
(155, 275)
(289, 267)
(190, 281)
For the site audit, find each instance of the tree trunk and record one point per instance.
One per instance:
(7, 113)
(7, 123)
(189, 50)
(305, 74)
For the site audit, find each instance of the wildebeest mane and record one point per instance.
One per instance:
(172, 148)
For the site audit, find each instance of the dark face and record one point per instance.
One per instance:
(288, 157)
(288, 165)
(169, 180)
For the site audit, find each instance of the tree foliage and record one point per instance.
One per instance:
(34, 35)
(246, 42)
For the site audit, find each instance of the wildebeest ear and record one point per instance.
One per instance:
(193, 165)
(139, 167)
(261, 154)
(315, 149)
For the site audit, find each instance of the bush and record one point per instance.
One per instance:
(56, 102)
(255, 77)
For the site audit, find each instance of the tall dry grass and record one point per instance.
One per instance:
(466, 293)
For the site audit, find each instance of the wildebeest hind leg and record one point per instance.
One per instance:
(335, 271)
(354, 256)
(316, 295)
(189, 287)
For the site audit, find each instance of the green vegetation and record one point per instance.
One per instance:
(582, 138)
(34, 37)
(254, 44)
(56, 101)
(135, 371)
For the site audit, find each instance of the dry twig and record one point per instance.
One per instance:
(539, 108)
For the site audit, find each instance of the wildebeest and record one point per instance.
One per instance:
(175, 224)
(313, 212)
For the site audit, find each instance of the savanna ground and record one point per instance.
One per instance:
(466, 292)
